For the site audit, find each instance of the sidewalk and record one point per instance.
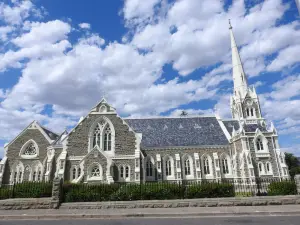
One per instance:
(52, 214)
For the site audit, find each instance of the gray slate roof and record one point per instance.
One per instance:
(229, 124)
(253, 127)
(50, 134)
(172, 132)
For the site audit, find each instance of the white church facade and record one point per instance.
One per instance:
(103, 147)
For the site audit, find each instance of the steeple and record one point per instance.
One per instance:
(239, 78)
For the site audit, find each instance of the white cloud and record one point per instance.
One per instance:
(41, 33)
(17, 13)
(4, 31)
(84, 25)
(94, 39)
(286, 57)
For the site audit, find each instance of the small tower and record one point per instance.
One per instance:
(244, 101)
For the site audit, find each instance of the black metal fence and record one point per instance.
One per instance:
(26, 190)
(178, 189)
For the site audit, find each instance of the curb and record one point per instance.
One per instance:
(142, 215)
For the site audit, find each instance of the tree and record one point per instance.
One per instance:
(183, 113)
(292, 163)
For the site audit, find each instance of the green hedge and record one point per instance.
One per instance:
(27, 190)
(148, 191)
(210, 190)
(282, 188)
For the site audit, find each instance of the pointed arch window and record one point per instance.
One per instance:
(187, 167)
(79, 172)
(124, 173)
(74, 173)
(97, 135)
(17, 173)
(225, 166)
(168, 167)
(149, 168)
(259, 144)
(29, 150)
(102, 134)
(206, 165)
(107, 139)
(34, 175)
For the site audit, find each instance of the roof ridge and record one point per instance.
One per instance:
(172, 117)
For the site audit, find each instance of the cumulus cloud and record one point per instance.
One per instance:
(84, 25)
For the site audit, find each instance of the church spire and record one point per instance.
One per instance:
(239, 78)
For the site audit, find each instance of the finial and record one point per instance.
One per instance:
(230, 27)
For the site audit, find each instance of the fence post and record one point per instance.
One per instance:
(297, 180)
(56, 193)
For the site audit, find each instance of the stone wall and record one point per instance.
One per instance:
(78, 139)
(15, 147)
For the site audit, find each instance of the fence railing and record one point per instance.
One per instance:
(178, 189)
(26, 190)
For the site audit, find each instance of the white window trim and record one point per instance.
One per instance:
(210, 174)
(21, 154)
(91, 135)
(36, 168)
(263, 172)
(124, 178)
(229, 174)
(18, 167)
(271, 169)
(191, 162)
(92, 178)
(151, 160)
(172, 176)
(264, 141)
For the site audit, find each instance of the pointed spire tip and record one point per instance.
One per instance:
(230, 27)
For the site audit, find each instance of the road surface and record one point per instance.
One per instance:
(265, 220)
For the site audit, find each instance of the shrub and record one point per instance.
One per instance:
(32, 190)
(209, 190)
(282, 188)
(5, 192)
(127, 192)
(88, 193)
(161, 191)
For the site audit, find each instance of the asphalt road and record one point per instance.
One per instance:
(266, 220)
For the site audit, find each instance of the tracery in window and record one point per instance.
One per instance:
(30, 149)
(97, 135)
(107, 139)
(95, 172)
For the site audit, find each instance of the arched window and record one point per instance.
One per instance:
(30, 150)
(107, 139)
(17, 173)
(261, 168)
(95, 172)
(247, 110)
(149, 168)
(97, 135)
(269, 168)
(126, 171)
(168, 167)
(252, 112)
(102, 134)
(225, 166)
(259, 144)
(74, 173)
(206, 165)
(79, 172)
(122, 172)
(39, 178)
(187, 167)
(34, 176)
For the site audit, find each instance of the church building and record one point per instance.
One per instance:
(106, 148)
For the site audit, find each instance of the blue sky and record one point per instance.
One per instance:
(155, 57)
